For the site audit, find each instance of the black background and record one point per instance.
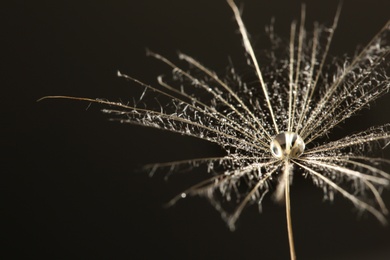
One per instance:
(70, 189)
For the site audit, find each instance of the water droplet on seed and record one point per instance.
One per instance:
(287, 145)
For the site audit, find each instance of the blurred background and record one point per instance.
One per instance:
(69, 180)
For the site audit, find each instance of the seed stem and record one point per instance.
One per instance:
(287, 171)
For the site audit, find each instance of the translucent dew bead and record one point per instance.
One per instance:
(287, 145)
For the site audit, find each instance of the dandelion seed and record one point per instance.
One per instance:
(276, 126)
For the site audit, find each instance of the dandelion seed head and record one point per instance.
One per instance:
(275, 126)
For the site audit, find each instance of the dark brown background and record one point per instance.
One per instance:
(68, 174)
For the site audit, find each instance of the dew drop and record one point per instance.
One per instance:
(287, 145)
